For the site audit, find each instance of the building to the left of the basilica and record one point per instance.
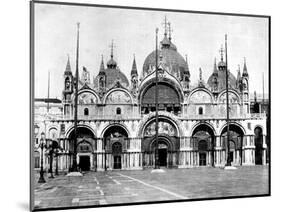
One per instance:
(116, 117)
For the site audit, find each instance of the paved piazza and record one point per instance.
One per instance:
(113, 187)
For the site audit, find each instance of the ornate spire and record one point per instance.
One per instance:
(101, 65)
(221, 52)
(201, 82)
(238, 73)
(245, 72)
(134, 67)
(170, 31)
(165, 24)
(111, 47)
(111, 63)
(68, 68)
(215, 71)
(186, 60)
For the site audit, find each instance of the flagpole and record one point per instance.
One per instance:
(228, 160)
(74, 165)
(156, 105)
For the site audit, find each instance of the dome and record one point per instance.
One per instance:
(221, 79)
(111, 63)
(171, 60)
(112, 76)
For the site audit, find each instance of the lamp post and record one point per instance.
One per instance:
(51, 151)
(42, 145)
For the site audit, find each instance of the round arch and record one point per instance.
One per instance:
(239, 126)
(198, 90)
(71, 129)
(114, 125)
(259, 126)
(164, 138)
(165, 81)
(209, 127)
(87, 90)
(117, 89)
(230, 91)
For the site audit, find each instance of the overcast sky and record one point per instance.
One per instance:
(200, 36)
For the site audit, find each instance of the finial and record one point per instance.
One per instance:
(165, 26)
(170, 30)
(186, 58)
(111, 47)
(200, 74)
(101, 57)
(221, 52)
(78, 25)
(244, 60)
(238, 67)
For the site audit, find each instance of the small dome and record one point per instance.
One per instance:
(112, 76)
(221, 64)
(221, 79)
(111, 63)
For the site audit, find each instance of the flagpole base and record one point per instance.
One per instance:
(230, 168)
(158, 171)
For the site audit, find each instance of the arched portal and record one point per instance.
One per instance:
(115, 146)
(258, 145)
(203, 142)
(85, 146)
(168, 143)
(168, 98)
(236, 135)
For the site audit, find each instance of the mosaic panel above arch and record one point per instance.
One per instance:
(164, 127)
(200, 97)
(118, 97)
(87, 98)
(232, 98)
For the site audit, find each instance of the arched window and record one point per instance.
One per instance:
(200, 111)
(118, 111)
(86, 111)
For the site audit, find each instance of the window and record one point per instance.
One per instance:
(86, 111)
(118, 111)
(200, 111)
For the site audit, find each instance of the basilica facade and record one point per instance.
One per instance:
(116, 116)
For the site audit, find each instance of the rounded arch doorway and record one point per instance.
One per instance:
(115, 146)
(85, 148)
(164, 150)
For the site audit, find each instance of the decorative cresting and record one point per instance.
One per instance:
(87, 96)
(162, 115)
(200, 96)
(118, 96)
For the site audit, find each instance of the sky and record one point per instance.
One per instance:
(200, 36)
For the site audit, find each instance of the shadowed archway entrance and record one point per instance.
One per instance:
(115, 146)
(86, 144)
(203, 140)
(236, 136)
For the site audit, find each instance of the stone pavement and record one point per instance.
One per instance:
(115, 187)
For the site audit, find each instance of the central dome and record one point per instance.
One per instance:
(172, 61)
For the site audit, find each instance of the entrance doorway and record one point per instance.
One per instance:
(117, 162)
(202, 159)
(84, 163)
(162, 153)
